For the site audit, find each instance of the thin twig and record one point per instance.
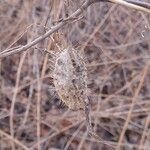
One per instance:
(14, 97)
(48, 33)
(139, 5)
(13, 139)
(129, 3)
(144, 132)
(132, 106)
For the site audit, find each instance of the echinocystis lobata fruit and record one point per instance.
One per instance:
(70, 78)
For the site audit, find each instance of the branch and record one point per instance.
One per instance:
(129, 3)
(53, 29)
(135, 4)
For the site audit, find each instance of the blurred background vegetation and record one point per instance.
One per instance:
(115, 42)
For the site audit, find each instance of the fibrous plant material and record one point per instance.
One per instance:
(70, 78)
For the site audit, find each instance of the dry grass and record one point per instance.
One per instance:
(115, 43)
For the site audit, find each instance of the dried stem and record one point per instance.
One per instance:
(129, 3)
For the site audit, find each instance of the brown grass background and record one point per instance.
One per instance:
(115, 42)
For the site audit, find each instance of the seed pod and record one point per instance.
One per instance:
(70, 78)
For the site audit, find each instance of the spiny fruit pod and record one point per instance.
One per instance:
(70, 78)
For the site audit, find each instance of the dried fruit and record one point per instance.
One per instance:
(70, 78)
